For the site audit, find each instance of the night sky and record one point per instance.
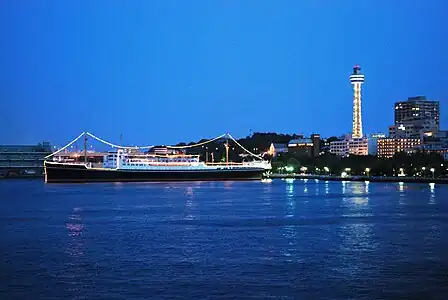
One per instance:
(171, 71)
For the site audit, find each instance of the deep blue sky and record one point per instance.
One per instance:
(169, 71)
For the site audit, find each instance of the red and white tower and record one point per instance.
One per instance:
(357, 79)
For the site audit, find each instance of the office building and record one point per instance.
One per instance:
(388, 147)
(349, 146)
(415, 116)
(436, 142)
(23, 160)
(305, 146)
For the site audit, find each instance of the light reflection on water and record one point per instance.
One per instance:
(289, 191)
(189, 209)
(75, 252)
(289, 180)
(402, 194)
(228, 184)
(75, 230)
(290, 201)
(289, 230)
(290, 235)
(357, 240)
(267, 191)
(355, 193)
(305, 188)
(432, 193)
(189, 191)
(401, 186)
(356, 232)
(187, 239)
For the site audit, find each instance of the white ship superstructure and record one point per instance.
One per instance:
(121, 160)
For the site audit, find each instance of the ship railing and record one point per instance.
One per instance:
(255, 163)
(137, 164)
(224, 163)
(162, 156)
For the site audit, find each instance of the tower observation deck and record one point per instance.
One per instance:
(357, 79)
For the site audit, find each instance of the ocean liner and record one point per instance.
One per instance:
(165, 164)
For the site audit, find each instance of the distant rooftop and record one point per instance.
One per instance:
(417, 98)
(43, 147)
(280, 145)
(301, 141)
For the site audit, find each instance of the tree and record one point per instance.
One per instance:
(277, 166)
(332, 139)
(293, 162)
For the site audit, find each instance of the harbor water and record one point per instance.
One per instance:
(279, 239)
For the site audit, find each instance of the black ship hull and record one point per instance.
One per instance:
(66, 173)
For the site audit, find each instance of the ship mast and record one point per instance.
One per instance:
(227, 151)
(85, 148)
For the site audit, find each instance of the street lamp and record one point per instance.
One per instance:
(432, 171)
(326, 169)
(423, 171)
(289, 169)
(367, 171)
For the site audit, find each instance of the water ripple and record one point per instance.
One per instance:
(235, 240)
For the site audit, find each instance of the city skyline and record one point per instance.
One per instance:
(203, 70)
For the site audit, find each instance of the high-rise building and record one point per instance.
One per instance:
(316, 143)
(357, 79)
(414, 117)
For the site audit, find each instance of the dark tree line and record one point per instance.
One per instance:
(256, 143)
(419, 164)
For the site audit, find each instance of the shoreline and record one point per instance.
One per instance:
(362, 178)
(309, 176)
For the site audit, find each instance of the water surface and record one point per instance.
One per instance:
(285, 239)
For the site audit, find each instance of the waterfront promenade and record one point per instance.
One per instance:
(362, 178)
